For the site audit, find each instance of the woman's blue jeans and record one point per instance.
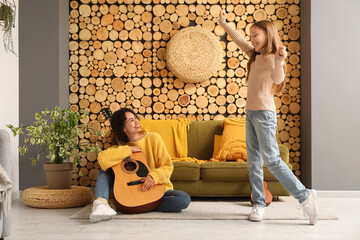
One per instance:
(174, 201)
(262, 147)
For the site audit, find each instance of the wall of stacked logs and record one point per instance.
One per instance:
(117, 59)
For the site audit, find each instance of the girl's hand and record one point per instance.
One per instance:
(148, 183)
(222, 16)
(135, 149)
(282, 52)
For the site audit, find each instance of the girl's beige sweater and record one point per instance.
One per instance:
(264, 72)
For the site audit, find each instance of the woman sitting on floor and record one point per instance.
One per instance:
(129, 138)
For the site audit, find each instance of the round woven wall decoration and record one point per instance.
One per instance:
(42, 197)
(194, 54)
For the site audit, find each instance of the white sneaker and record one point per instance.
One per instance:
(101, 211)
(257, 213)
(310, 207)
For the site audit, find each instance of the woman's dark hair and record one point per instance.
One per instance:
(117, 122)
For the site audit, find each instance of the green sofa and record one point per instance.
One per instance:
(217, 179)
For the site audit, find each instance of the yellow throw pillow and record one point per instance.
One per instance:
(231, 144)
(217, 140)
(233, 150)
(234, 128)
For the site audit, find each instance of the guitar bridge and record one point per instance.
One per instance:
(136, 182)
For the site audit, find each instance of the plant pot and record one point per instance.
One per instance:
(59, 176)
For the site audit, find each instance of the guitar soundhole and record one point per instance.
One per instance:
(130, 166)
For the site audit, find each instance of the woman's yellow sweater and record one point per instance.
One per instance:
(158, 159)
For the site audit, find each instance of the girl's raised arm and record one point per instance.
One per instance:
(244, 45)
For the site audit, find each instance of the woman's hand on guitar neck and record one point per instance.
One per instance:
(135, 149)
(148, 183)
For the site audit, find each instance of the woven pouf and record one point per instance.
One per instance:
(194, 54)
(42, 197)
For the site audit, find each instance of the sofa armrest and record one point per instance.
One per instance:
(5, 162)
(5, 152)
(284, 153)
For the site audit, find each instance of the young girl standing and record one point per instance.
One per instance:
(266, 75)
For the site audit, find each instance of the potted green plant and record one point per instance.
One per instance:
(7, 23)
(58, 138)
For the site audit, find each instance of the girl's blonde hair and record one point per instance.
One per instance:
(273, 43)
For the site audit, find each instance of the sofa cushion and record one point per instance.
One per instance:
(201, 138)
(184, 170)
(193, 188)
(225, 188)
(231, 171)
(224, 171)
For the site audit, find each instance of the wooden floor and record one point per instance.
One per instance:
(47, 224)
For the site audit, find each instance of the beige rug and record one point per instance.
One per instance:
(283, 209)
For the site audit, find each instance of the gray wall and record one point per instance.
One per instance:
(42, 53)
(335, 84)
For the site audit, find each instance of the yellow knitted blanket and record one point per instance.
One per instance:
(189, 159)
(173, 133)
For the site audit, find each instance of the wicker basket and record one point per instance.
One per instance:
(194, 54)
(42, 197)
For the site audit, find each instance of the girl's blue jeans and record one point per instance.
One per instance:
(174, 201)
(262, 148)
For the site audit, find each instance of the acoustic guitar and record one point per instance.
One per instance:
(267, 193)
(128, 180)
